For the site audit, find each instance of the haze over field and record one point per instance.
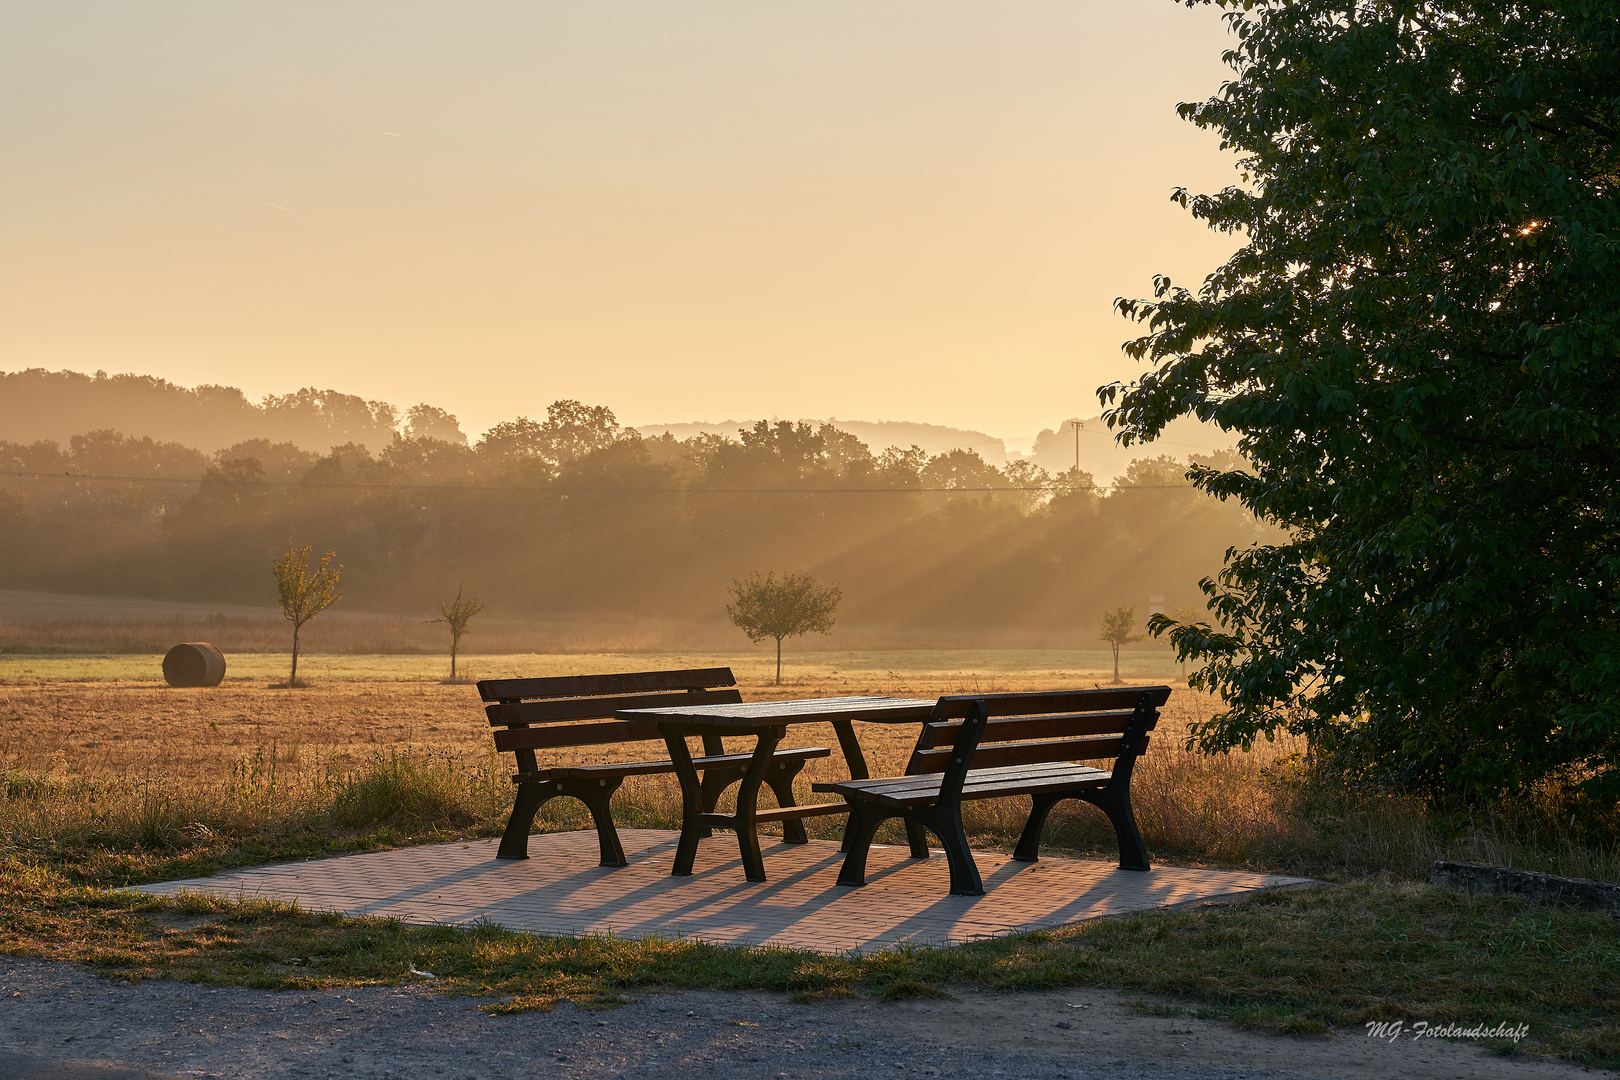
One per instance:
(892, 211)
(568, 516)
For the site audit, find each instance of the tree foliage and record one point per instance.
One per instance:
(1418, 344)
(304, 593)
(570, 430)
(645, 528)
(765, 607)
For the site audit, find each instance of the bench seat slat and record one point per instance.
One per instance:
(794, 813)
(1009, 782)
(646, 768)
(931, 781)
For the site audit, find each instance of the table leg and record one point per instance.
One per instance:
(855, 762)
(748, 800)
(691, 802)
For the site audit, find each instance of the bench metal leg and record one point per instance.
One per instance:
(943, 821)
(864, 820)
(946, 823)
(1116, 803)
(515, 840)
(917, 839)
(1111, 800)
(1029, 841)
(597, 797)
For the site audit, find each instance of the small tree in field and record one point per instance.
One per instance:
(303, 593)
(765, 607)
(457, 616)
(1118, 627)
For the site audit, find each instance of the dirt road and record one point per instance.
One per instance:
(59, 1022)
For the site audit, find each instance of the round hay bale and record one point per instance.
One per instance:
(196, 663)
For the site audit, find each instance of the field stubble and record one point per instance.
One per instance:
(124, 778)
(55, 624)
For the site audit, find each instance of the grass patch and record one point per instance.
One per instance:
(1294, 961)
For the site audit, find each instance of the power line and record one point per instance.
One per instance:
(556, 490)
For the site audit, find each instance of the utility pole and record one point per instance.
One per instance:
(1077, 425)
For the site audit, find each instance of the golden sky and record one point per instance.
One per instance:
(891, 209)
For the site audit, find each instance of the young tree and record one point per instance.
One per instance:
(304, 593)
(1119, 627)
(1417, 344)
(763, 607)
(457, 616)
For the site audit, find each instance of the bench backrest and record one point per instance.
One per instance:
(577, 710)
(1036, 728)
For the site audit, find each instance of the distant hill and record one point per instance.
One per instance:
(878, 435)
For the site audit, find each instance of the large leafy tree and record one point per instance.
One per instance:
(1419, 345)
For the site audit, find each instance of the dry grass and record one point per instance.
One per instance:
(211, 775)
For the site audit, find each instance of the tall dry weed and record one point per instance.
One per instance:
(409, 787)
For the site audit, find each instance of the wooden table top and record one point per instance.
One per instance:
(752, 714)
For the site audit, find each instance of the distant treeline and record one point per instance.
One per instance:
(573, 515)
(37, 404)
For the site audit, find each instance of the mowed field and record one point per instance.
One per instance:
(115, 714)
(114, 717)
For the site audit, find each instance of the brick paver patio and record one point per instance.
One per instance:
(560, 889)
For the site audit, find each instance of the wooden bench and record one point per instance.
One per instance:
(988, 746)
(530, 715)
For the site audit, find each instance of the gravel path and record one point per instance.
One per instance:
(60, 1022)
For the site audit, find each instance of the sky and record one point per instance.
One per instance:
(884, 210)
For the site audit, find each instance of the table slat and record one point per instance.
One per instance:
(749, 714)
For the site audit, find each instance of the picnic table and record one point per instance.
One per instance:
(766, 721)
